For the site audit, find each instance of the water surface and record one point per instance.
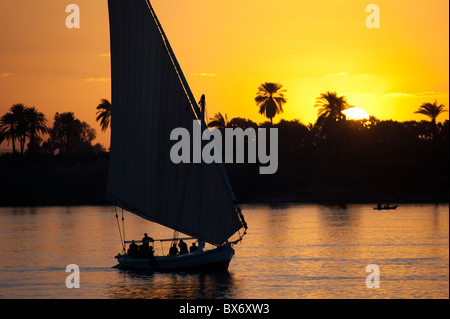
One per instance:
(290, 252)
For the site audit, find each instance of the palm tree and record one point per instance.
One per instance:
(8, 129)
(65, 129)
(432, 110)
(331, 119)
(218, 120)
(14, 126)
(270, 99)
(19, 111)
(70, 135)
(104, 114)
(331, 107)
(20, 123)
(36, 125)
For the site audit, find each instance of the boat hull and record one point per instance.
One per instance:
(385, 208)
(217, 259)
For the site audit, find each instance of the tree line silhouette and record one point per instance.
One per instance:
(67, 135)
(333, 159)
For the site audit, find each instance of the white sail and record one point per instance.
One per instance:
(149, 99)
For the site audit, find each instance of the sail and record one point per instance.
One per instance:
(149, 99)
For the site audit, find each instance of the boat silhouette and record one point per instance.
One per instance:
(150, 98)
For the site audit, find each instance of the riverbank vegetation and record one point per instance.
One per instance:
(335, 160)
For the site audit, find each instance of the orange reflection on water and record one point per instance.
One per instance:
(290, 251)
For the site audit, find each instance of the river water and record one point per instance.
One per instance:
(290, 252)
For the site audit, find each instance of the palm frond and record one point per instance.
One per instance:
(431, 110)
(218, 120)
(260, 99)
(104, 114)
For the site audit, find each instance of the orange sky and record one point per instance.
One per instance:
(227, 48)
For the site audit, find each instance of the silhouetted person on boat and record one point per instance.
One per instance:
(183, 247)
(151, 256)
(141, 252)
(379, 206)
(201, 244)
(133, 249)
(193, 248)
(173, 250)
(146, 241)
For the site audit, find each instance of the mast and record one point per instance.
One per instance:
(202, 108)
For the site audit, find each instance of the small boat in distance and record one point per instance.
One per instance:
(150, 97)
(385, 207)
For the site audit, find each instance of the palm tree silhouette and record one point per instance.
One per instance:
(104, 114)
(432, 111)
(65, 129)
(36, 125)
(15, 126)
(331, 107)
(331, 119)
(8, 129)
(20, 123)
(270, 99)
(218, 120)
(19, 112)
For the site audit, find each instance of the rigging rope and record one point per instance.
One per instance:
(175, 63)
(195, 108)
(122, 241)
(123, 227)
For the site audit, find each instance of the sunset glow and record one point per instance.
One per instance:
(245, 154)
(226, 50)
(356, 113)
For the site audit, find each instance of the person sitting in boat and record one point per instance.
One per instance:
(150, 252)
(201, 244)
(140, 253)
(151, 256)
(193, 247)
(132, 250)
(173, 250)
(183, 247)
(146, 241)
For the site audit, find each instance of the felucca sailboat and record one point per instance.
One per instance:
(150, 98)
